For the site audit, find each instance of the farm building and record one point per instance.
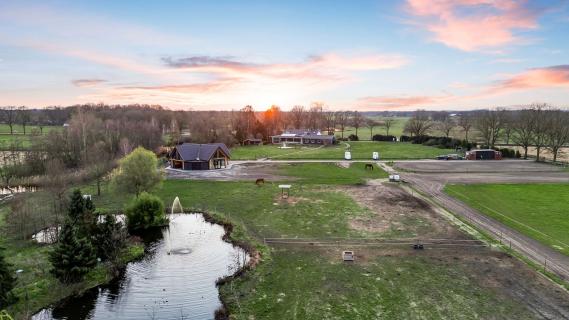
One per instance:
(252, 142)
(193, 156)
(483, 154)
(303, 137)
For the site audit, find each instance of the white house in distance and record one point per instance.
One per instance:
(303, 136)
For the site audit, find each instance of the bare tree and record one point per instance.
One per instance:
(446, 124)
(24, 117)
(9, 116)
(342, 118)
(465, 122)
(419, 124)
(370, 123)
(490, 124)
(315, 116)
(330, 120)
(357, 121)
(557, 135)
(297, 115)
(541, 125)
(388, 123)
(523, 127)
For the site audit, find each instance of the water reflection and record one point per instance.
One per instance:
(176, 278)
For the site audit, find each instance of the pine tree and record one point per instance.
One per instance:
(73, 256)
(82, 214)
(76, 206)
(7, 281)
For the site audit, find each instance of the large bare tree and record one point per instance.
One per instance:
(371, 124)
(523, 127)
(388, 123)
(342, 119)
(465, 123)
(419, 124)
(315, 116)
(357, 120)
(297, 116)
(446, 124)
(9, 116)
(490, 124)
(541, 125)
(330, 120)
(557, 134)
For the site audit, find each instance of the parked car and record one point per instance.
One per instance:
(450, 157)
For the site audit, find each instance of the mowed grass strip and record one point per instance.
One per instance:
(536, 210)
(361, 150)
(331, 173)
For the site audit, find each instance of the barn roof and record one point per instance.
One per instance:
(195, 151)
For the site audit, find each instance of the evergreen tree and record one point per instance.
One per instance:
(7, 281)
(109, 239)
(73, 256)
(82, 214)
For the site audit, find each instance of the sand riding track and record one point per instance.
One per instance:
(430, 177)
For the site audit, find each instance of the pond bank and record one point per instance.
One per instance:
(178, 276)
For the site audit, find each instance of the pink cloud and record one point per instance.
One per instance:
(473, 25)
(554, 76)
(400, 102)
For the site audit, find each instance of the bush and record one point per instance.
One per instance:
(137, 172)
(404, 138)
(380, 137)
(509, 153)
(353, 137)
(145, 212)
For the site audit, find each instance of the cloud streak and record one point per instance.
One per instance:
(86, 83)
(474, 25)
(327, 67)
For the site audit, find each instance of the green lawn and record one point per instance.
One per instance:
(537, 210)
(330, 173)
(361, 150)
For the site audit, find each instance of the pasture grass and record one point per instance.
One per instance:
(361, 150)
(536, 210)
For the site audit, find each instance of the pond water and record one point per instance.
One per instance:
(175, 279)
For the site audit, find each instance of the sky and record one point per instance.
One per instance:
(362, 55)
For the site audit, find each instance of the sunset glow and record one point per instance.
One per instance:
(376, 55)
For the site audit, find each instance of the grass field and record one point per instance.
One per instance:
(330, 173)
(301, 283)
(537, 210)
(361, 150)
(18, 137)
(364, 133)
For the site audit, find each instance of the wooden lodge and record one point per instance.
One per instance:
(193, 156)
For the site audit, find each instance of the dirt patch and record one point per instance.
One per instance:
(395, 209)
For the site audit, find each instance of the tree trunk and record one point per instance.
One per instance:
(538, 149)
(525, 152)
(98, 187)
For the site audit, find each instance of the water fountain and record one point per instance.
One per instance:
(176, 205)
(284, 146)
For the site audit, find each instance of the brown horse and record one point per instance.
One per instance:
(260, 181)
(369, 166)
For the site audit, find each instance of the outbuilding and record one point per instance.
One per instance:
(193, 156)
(483, 154)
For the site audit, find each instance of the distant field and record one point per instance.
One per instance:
(537, 210)
(360, 150)
(364, 132)
(6, 138)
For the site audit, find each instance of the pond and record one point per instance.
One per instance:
(175, 279)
